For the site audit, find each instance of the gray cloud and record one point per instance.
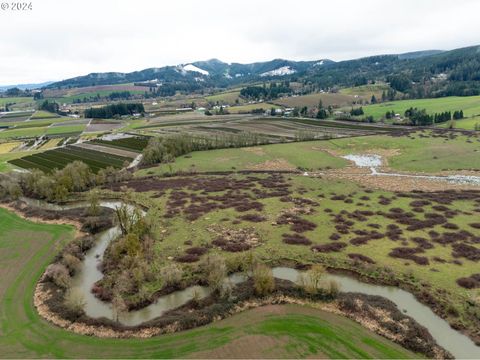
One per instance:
(60, 39)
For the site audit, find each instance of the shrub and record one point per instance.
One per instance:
(171, 274)
(59, 275)
(468, 283)
(263, 281)
(311, 280)
(215, 271)
(253, 218)
(71, 262)
(409, 254)
(75, 303)
(333, 288)
(196, 250)
(361, 257)
(296, 239)
(187, 258)
(331, 247)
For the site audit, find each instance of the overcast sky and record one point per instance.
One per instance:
(59, 39)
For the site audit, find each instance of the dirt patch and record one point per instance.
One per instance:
(255, 150)
(276, 164)
(235, 240)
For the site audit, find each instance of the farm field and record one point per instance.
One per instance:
(26, 335)
(103, 126)
(244, 109)
(43, 115)
(228, 97)
(276, 129)
(51, 143)
(469, 104)
(15, 116)
(22, 132)
(69, 96)
(366, 91)
(6, 147)
(132, 143)
(16, 100)
(59, 158)
(312, 100)
(65, 130)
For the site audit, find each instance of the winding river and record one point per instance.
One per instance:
(458, 344)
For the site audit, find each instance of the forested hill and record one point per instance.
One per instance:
(430, 73)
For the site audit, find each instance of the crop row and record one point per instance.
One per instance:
(59, 158)
(133, 143)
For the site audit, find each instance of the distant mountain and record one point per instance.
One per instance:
(202, 73)
(26, 86)
(427, 73)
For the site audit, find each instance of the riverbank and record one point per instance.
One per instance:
(376, 314)
(88, 325)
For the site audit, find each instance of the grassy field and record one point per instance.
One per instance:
(415, 153)
(228, 97)
(467, 124)
(295, 331)
(22, 132)
(312, 100)
(366, 91)
(16, 100)
(469, 104)
(249, 107)
(43, 115)
(272, 157)
(65, 129)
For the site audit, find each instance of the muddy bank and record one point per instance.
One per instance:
(375, 313)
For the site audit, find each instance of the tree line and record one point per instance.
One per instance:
(110, 111)
(273, 91)
(166, 149)
(58, 185)
(422, 118)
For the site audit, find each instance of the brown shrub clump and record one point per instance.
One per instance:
(295, 239)
(187, 258)
(335, 237)
(253, 218)
(467, 251)
(197, 250)
(330, 247)
(409, 254)
(471, 282)
(361, 258)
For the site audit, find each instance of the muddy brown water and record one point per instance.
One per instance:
(458, 344)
